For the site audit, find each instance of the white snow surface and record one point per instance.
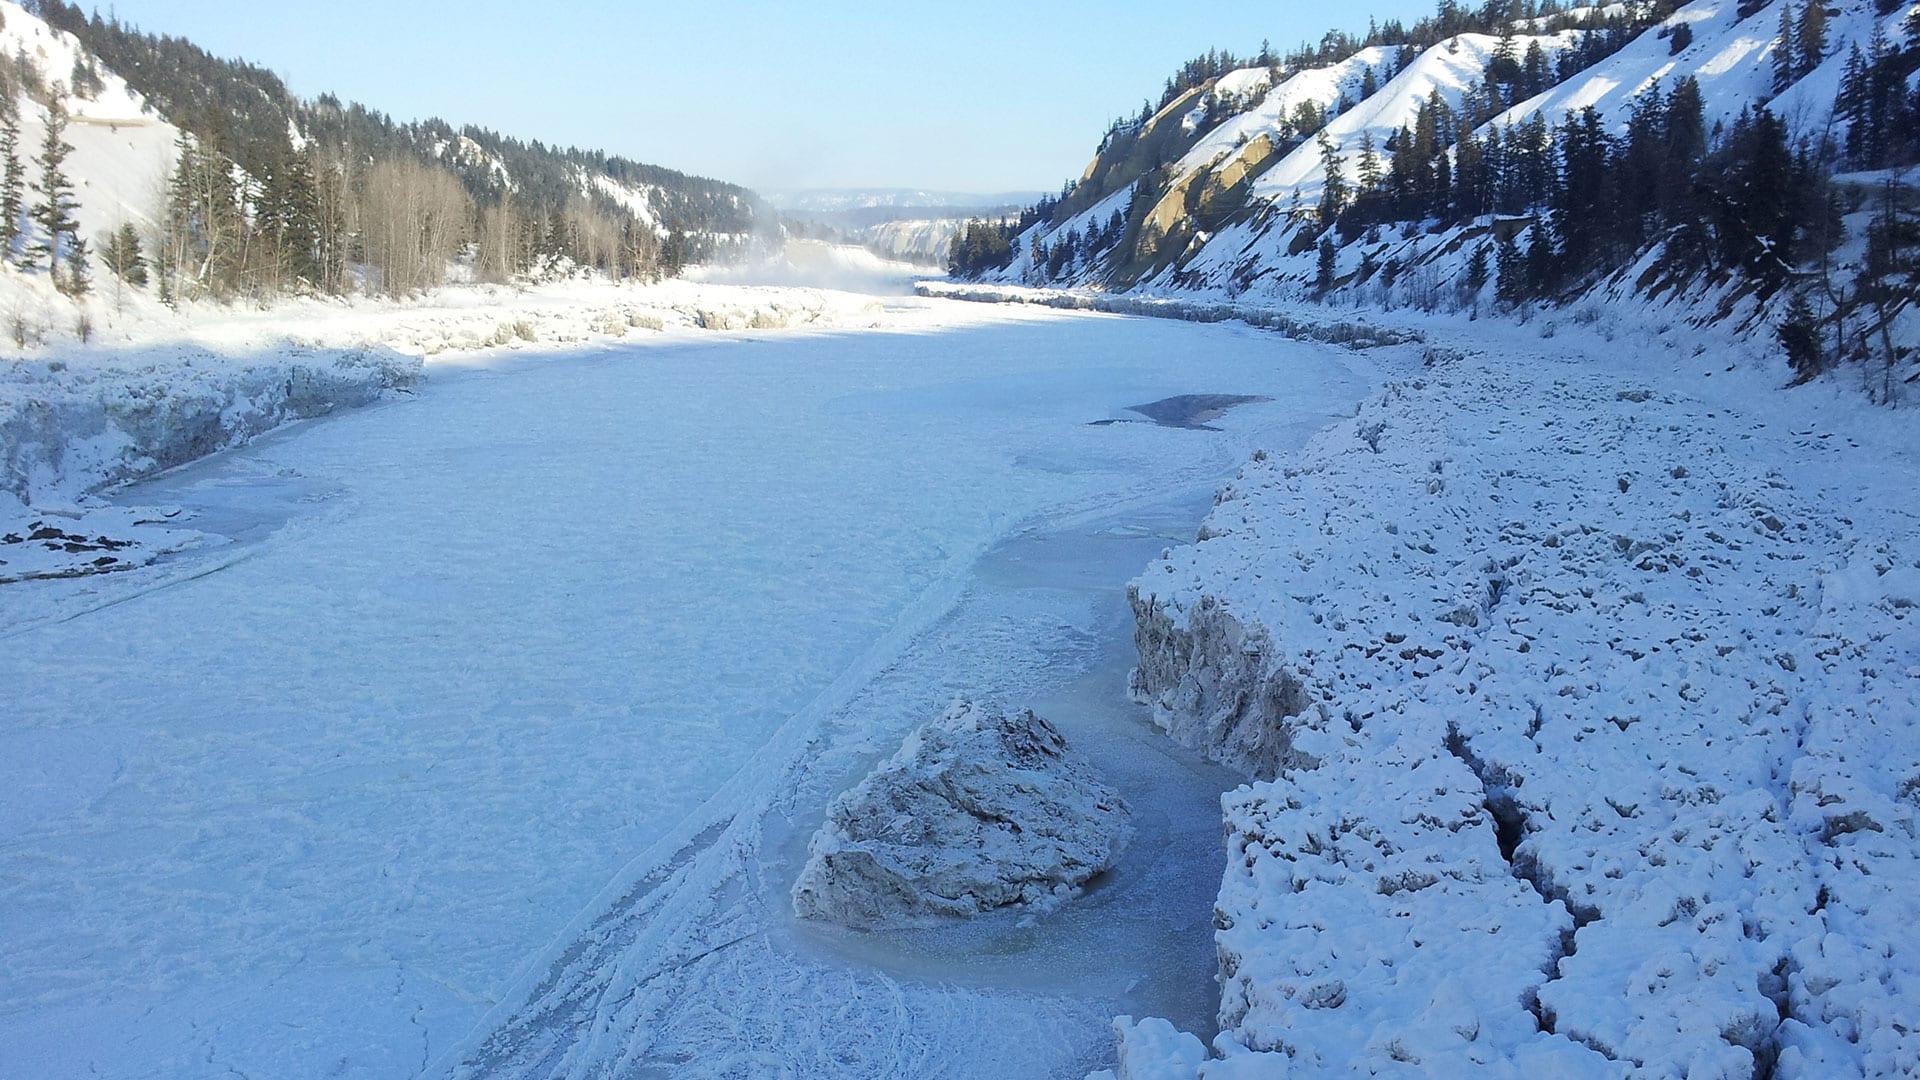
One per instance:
(1450, 68)
(1599, 757)
(123, 151)
(497, 703)
(980, 809)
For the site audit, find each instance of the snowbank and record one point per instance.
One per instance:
(69, 428)
(1582, 716)
(980, 809)
(156, 388)
(1353, 333)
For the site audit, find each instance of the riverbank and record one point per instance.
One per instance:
(156, 390)
(1577, 689)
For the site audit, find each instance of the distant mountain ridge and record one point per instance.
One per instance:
(907, 224)
(840, 200)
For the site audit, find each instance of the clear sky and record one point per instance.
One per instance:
(966, 95)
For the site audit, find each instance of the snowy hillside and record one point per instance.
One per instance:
(1225, 191)
(123, 151)
(1450, 70)
(918, 241)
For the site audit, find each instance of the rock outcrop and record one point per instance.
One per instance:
(980, 809)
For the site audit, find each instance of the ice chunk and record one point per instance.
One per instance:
(979, 809)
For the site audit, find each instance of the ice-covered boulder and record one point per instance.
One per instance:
(979, 809)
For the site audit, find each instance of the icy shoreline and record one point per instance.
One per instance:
(1354, 334)
(1580, 716)
(67, 431)
(159, 390)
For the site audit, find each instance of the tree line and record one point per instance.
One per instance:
(272, 193)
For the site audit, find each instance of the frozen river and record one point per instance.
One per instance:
(487, 743)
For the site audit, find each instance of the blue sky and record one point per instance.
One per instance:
(966, 96)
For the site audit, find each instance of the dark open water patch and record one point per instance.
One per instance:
(1192, 411)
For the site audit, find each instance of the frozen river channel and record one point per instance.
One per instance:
(488, 738)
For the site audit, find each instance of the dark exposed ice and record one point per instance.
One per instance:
(1192, 411)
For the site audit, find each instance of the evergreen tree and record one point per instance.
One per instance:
(1850, 103)
(1333, 200)
(206, 238)
(1585, 201)
(13, 183)
(120, 253)
(1543, 263)
(1786, 63)
(1504, 66)
(1681, 202)
(176, 242)
(79, 279)
(53, 211)
(1509, 265)
(673, 255)
(1324, 271)
(1477, 270)
(1370, 171)
(1800, 337)
(1641, 162)
(1756, 214)
(1810, 38)
(1473, 189)
(286, 214)
(1533, 71)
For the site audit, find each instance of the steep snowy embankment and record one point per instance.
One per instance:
(1582, 703)
(67, 427)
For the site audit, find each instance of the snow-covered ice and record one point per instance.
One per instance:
(980, 809)
(497, 704)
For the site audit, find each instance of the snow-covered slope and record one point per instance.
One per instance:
(924, 242)
(123, 151)
(1731, 59)
(1320, 87)
(1233, 212)
(1450, 70)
